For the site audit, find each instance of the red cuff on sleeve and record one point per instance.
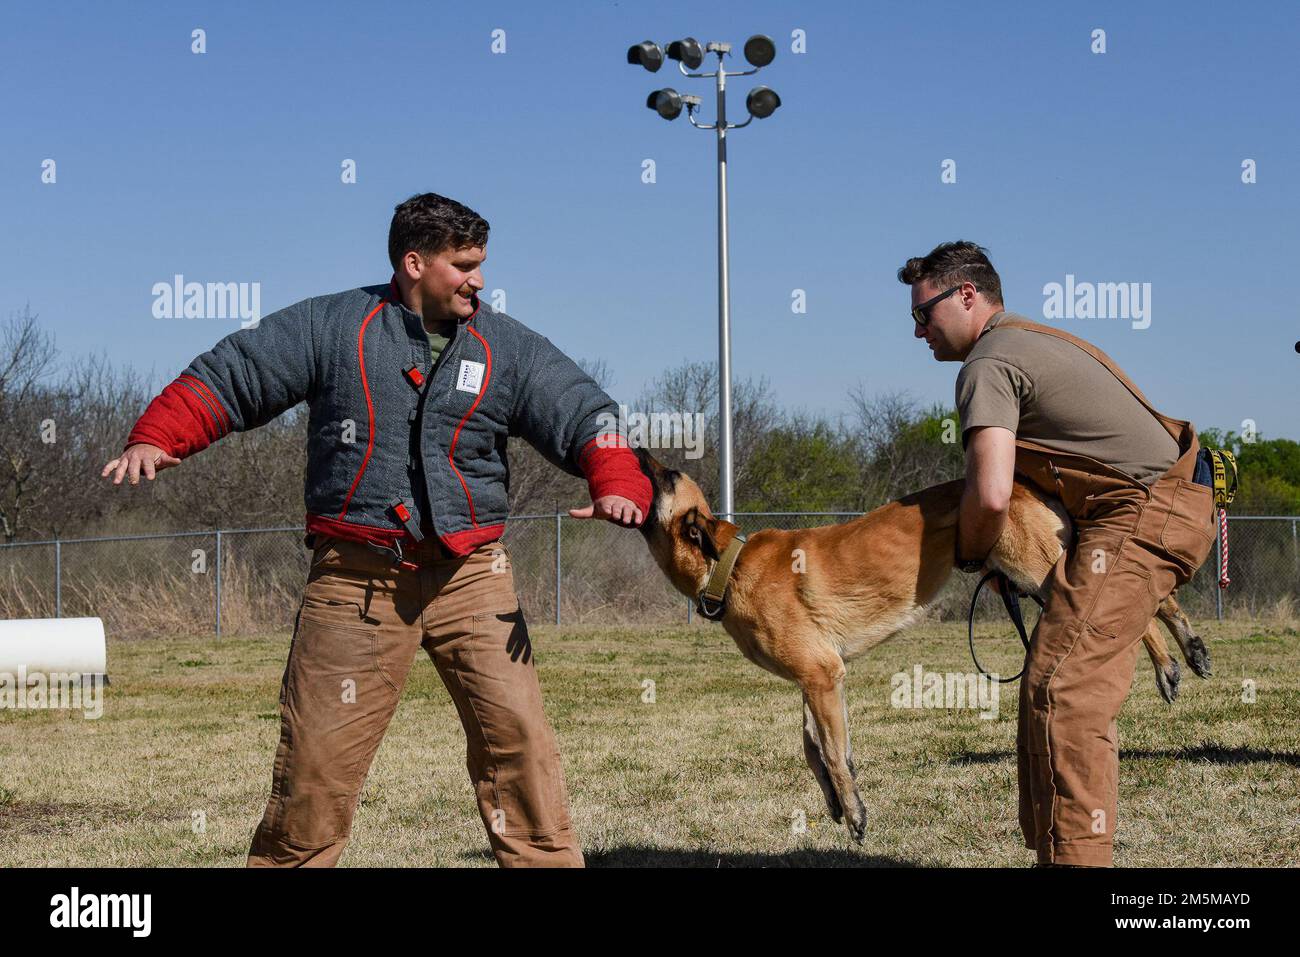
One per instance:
(614, 470)
(183, 419)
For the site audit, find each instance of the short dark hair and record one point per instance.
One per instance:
(429, 223)
(949, 264)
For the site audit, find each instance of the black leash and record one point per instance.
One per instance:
(1011, 601)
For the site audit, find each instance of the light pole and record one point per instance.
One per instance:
(761, 103)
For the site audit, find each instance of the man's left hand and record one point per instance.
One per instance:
(613, 508)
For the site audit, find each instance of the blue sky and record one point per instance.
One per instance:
(1118, 167)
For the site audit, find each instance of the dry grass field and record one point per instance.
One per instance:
(709, 774)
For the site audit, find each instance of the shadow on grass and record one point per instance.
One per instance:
(1211, 752)
(643, 855)
(1217, 754)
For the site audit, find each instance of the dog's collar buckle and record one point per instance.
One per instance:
(712, 599)
(710, 609)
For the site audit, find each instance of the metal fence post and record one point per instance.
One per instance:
(58, 579)
(1218, 566)
(218, 583)
(558, 574)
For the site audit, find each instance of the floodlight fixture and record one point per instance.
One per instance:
(762, 102)
(760, 50)
(687, 51)
(646, 54)
(666, 102)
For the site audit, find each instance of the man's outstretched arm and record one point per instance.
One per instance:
(245, 380)
(569, 419)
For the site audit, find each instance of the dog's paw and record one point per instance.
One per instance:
(1198, 657)
(836, 811)
(1167, 680)
(857, 821)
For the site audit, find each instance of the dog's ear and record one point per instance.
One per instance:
(652, 467)
(647, 463)
(701, 531)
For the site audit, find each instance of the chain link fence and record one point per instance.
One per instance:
(249, 581)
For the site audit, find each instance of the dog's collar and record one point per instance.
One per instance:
(712, 599)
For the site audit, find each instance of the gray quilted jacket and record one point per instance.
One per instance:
(386, 432)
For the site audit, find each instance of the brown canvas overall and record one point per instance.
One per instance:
(361, 624)
(1134, 544)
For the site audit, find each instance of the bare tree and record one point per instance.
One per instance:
(537, 486)
(58, 425)
(900, 447)
(692, 388)
(85, 419)
(27, 357)
(252, 478)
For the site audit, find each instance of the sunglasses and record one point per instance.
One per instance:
(921, 313)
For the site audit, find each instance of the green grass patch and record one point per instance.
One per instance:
(710, 774)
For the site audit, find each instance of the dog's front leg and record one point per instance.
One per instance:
(1168, 673)
(812, 753)
(1193, 648)
(824, 701)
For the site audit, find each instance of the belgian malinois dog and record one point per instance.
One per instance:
(861, 582)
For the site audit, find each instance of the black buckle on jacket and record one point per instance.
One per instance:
(408, 521)
(395, 553)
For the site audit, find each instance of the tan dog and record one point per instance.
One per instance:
(861, 582)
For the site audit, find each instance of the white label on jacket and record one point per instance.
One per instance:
(471, 376)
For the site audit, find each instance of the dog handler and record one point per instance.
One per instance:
(413, 387)
(1041, 403)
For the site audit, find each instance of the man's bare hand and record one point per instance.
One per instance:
(140, 457)
(613, 508)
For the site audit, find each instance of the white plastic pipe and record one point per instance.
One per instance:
(49, 645)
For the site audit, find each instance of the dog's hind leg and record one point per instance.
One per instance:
(848, 738)
(824, 697)
(1194, 651)
(812, 753)
(1168, 674)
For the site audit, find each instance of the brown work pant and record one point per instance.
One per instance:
(357, 633)
(1129, 554)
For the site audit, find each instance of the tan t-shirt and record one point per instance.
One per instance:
(1049, 391)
